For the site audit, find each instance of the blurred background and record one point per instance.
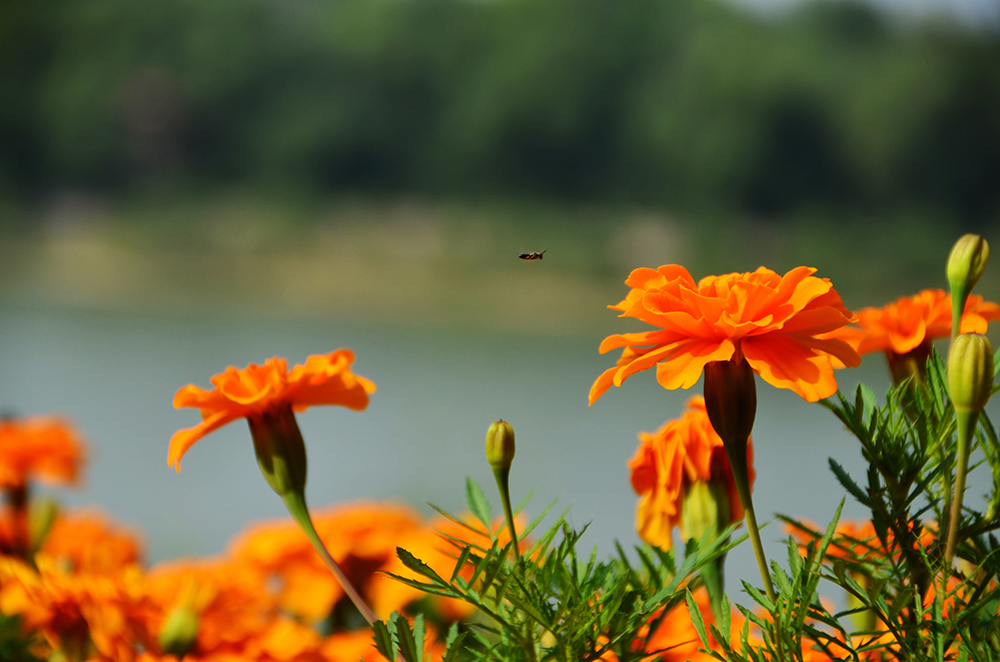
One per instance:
(188, 185)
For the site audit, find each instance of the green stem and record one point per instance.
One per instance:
(966, 421)
(296, 504)
(502, 474)
(738, 463)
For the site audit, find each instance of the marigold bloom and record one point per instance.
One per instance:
(259, 390)
(40, 448)
(362, 538)
(774, 321)
(682, 451)
(83, 615)
(88, 542)
(909, 322)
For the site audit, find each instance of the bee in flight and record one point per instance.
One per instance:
(532, 255)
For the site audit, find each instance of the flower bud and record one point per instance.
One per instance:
(731, 400)
(42, 515)
(970, 372)
(967, 262)
(281, 453)
(704, 509)
(500, 445)
(179, 632)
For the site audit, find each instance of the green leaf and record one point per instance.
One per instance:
(418, 636)
(453, 644)
(758, 597)
(848, 483)
(407, 642)
(418, 566)
(865, 403)
(478, 505)
(383, 640)
(699, 624)
(460, 563)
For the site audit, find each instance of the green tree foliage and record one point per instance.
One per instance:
(689, 103)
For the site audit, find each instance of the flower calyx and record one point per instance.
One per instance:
(281, 452)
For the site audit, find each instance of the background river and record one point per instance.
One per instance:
(114, 375)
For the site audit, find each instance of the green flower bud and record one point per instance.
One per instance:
(281, 453)
(500, 445)
(42, 515)
(704, 509)
(967, 262)
(180, 631)
(970, 372)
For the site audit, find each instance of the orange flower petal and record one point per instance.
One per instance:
(787, 362)
(182, 440)
(685, 365)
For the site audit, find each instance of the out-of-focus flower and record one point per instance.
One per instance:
(88, 542)
(259, 390)
(905, 329)
(667, 462)
(775, 322)
(45, 449)
(676, 639)
(82, 615)
(362, 538)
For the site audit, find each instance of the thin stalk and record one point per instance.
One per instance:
(966, 421)
(502, 474)
(738, 463)
(296, 504)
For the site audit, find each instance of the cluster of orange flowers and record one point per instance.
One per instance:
(78, 581)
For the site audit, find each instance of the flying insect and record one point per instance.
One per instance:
(532, 255)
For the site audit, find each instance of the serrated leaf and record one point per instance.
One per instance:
(848, 483)
(478, 504)
(699, 624)
(460, 563)
(405, 639)
(453, 644)
(419, 567)
(383, 640)
(758, 597)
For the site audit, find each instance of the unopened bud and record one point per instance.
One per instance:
(180, 631)
(500, 445)
(42, 513)
(967, 262)
(970, 372)
(704, 509)
(281, 453)
(731, 400)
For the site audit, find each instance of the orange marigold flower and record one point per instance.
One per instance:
(682, 451)
(362, 538)
(84, 616)
(324, 379)
(40, 448)
(774, 321)
(87, 542)
(909, 322)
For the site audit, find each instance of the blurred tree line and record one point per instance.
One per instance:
(690, 104)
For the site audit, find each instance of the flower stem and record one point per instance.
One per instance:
(296, 504)
(502, 475)
(966, 421)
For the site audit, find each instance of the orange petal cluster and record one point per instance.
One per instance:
(324, 379)
(680, 452)
(776, 322)
(902, 326)
(40, 448)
